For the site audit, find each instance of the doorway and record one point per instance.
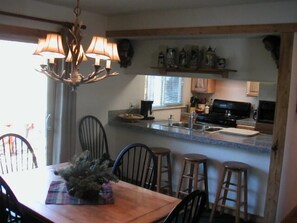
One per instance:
(23, 93)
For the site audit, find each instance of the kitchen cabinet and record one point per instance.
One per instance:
(201, 85)
(252, 88)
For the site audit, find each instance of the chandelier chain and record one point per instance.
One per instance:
(77, 9)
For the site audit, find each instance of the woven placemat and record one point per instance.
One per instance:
(57, 194)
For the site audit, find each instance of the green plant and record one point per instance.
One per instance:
(84, 177)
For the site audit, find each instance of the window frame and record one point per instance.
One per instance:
(162, 104)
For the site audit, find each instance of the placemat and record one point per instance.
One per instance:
(57, 194)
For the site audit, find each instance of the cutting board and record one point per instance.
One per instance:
(242, 132)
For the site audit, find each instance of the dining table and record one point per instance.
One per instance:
(131, 203)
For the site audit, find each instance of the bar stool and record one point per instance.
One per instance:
(238, 188)
(160, 153)
(193, 176)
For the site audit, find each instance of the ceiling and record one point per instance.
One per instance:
(115, 7)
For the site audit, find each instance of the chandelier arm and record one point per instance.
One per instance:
(96, 79)
(113, 74)
(94, 74)
(53, 75)
(93, 77)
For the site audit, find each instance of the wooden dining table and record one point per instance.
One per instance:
(131, 203)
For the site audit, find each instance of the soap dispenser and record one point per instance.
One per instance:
(170, 120)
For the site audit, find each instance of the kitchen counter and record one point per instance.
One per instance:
(217, 146)
(260, 143)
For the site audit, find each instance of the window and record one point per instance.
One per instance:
(164, 91)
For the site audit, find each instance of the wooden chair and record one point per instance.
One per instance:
(10, 210)
(16, 154)
(137, 164)
(189, 210)
(92, 137)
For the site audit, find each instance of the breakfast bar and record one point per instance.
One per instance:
(217, 146)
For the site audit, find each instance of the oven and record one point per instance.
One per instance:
(265, 113)
(225, 113)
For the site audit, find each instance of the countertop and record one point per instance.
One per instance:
(260, 142)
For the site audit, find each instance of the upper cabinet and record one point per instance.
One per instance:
(252, 88)
(201, 85)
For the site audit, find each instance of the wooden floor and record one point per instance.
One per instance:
(219, 218)
(291, 217)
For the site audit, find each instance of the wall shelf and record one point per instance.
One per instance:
(223, 72)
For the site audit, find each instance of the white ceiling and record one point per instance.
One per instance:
(114, 7)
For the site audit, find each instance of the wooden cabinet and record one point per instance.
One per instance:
(201, 85)
(252, 88)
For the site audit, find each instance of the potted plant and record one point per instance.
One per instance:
(85, 177)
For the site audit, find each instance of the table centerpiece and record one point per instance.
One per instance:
(85, 177)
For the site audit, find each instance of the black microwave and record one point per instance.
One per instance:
(266, 112)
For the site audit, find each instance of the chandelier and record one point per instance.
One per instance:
(52, 48)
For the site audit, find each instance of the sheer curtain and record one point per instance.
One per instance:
(61, 122)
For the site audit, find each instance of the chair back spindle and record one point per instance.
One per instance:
(136, 164)
(92, 137)
(189, 210)
(16, 154)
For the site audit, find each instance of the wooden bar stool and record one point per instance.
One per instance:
(193, 176)
(163, 167)
(238, 188)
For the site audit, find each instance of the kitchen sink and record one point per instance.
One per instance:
(185, 125)
(197, 126)
(213, 129)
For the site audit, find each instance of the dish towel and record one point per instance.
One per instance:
(57, 194)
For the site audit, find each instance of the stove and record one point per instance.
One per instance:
(225, 113)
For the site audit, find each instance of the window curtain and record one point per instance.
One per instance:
(61, 121)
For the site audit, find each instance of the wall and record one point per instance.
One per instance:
(258, 13)
(247, 55)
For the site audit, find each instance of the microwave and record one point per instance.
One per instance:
(265, 113)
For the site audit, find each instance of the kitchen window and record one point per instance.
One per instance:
(164, 91)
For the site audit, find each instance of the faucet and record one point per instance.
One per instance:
(191, 120)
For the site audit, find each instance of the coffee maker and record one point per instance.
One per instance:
(146, 109)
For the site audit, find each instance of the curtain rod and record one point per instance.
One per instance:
(67, 24)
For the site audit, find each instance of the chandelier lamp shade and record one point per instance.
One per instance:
(99, 49)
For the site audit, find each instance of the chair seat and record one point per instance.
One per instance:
(234, 165)
(195, 157)
(160, 150)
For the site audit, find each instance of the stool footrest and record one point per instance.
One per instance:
(183, 192)
(229, 199)
(226, 198)
(226, 206)
(230, 183)
(230, 189)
